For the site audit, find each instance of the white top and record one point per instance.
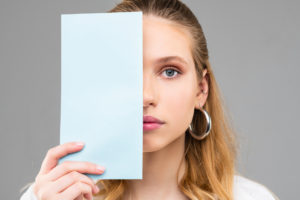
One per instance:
(247, 189)
(244, 189)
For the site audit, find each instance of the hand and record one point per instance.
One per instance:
(65, 181)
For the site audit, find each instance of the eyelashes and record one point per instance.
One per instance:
(170, 72)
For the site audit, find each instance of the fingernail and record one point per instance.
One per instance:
(79, 144)
(97, 188)
(100, 168)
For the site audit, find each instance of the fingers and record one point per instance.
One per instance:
(69, 179)
(55, 153)
(80, 198)
(75, 190)
(66, 181)
(68, 166)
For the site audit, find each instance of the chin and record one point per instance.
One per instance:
(152, 143)
(150, 149)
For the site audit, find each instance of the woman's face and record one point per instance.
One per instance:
(171, 91)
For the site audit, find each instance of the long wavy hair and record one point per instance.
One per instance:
(210, 162)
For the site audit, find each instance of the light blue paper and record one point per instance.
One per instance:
(101, 91)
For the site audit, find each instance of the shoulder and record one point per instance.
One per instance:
(27, 192)
(247, 189)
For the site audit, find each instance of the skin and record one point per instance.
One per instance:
(65, 181)
(167, 95)
(170, 97)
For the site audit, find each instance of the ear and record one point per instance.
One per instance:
(202, 90)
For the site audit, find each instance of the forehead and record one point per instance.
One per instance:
(163, 38)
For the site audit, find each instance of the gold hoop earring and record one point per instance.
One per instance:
(208, 126)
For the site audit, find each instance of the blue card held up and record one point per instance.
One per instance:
(102, 90)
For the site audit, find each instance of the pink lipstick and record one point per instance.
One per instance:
(151, 123)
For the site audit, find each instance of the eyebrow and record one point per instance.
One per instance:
(170, 58)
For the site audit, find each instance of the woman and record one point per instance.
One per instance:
(191, 152)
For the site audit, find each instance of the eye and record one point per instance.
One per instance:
(170, 72)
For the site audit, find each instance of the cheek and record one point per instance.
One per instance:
(177, 101)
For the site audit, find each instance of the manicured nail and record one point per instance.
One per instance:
(97, 188)
(100, 168)
(80, 144)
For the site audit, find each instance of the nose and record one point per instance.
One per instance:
(149, 95)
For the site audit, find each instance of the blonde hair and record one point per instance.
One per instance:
(210, 162)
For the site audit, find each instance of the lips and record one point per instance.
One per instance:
(150, 123)
(150, 119)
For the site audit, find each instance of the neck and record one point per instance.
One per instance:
(160, 170)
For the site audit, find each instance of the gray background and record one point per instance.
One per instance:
(254, 48)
